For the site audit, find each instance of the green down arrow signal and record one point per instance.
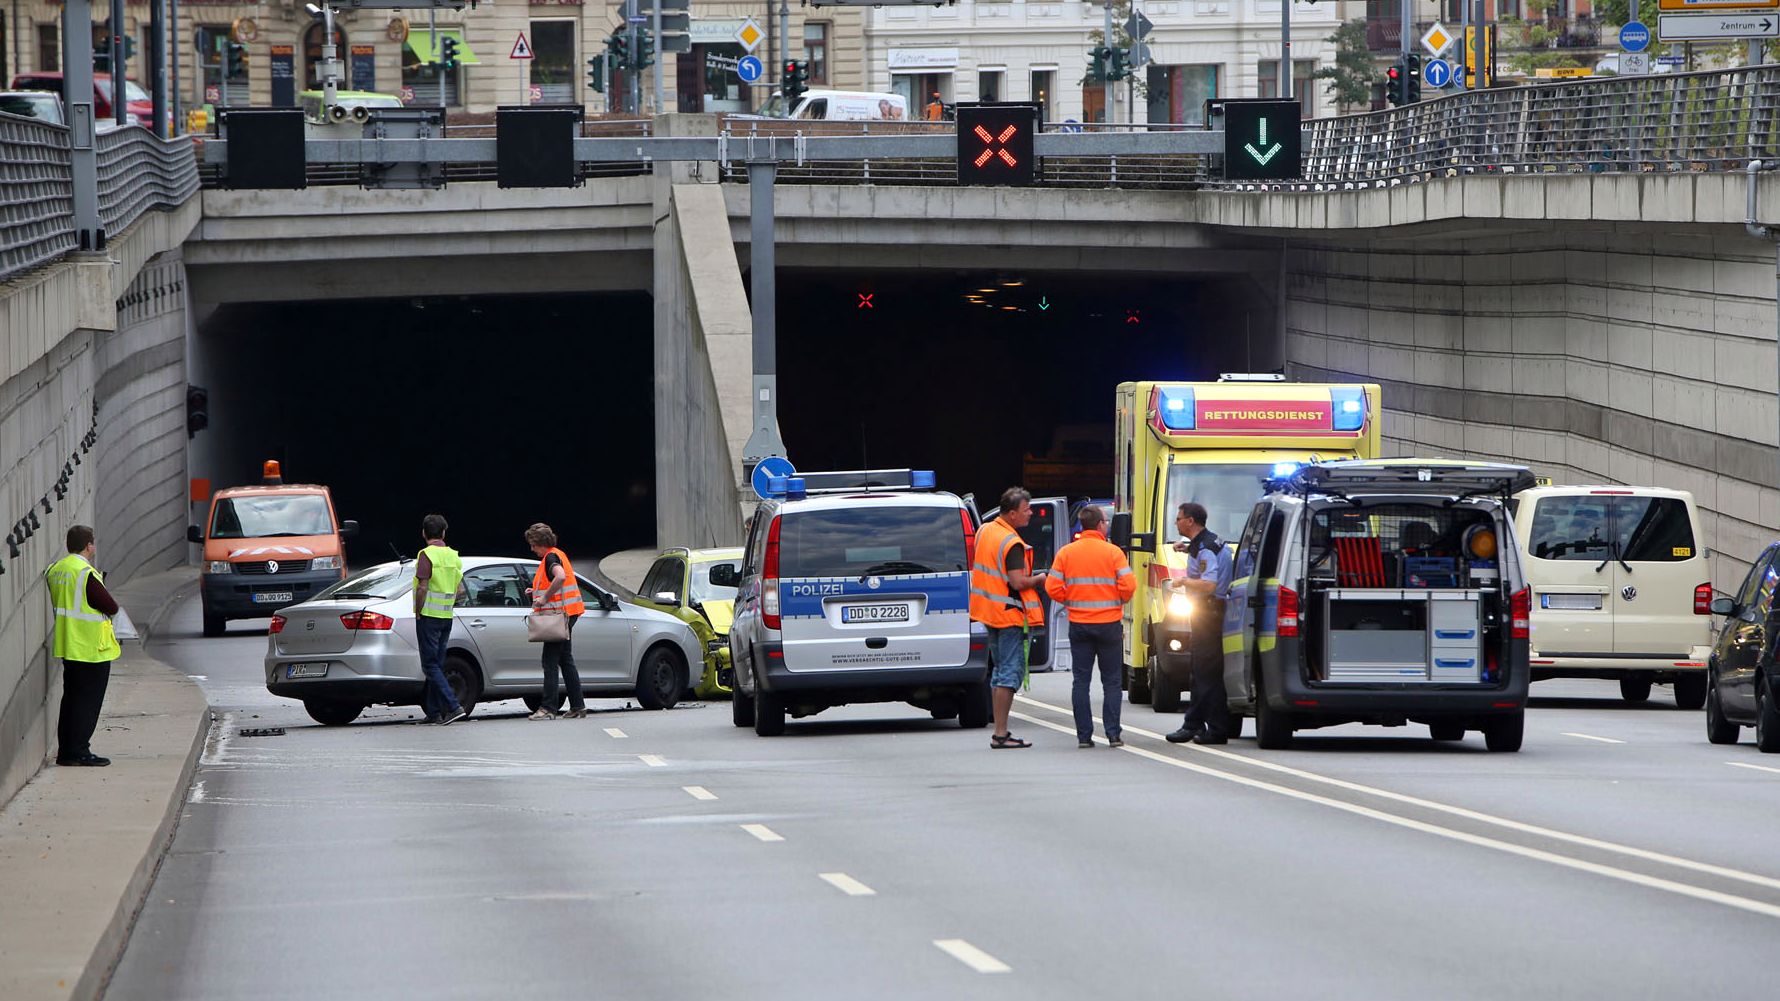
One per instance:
(1260, 157)
(1044, 302)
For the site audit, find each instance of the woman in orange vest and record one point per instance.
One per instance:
(555, 589)
(1091, 578)
(1002, 598)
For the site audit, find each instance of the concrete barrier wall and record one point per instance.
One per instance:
(1623, 354)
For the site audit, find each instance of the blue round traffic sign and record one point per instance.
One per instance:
(772, 465)
(749, 69)
(1437, 73)
(1635, 37)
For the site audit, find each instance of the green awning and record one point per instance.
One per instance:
(421, 42)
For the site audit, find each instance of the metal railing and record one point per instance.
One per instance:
(137, 172)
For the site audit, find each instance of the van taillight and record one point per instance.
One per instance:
(1520, 614)
(277, 625)
(1288, 613)
(970, 537)
(769, 578)
(367, 620)
(1702, 599)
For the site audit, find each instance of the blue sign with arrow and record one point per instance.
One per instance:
(1437, 73)
(1635, 37)
(771, 466)
(749, 69)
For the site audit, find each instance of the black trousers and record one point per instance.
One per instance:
(1210, 709)
(83, 693)
(560, 658)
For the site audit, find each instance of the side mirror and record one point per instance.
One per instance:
(726, 575)
(1724, 606)
(1121, 530)
(348, 528)
(194, 534)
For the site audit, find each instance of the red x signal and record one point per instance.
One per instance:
(994, 145)
(865, 301)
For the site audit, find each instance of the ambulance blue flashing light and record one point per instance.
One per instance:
(1177, 408)
(1281, 470)
(1348, 406)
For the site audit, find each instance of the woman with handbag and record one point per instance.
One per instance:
(556, 603)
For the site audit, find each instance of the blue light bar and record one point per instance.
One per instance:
(921, 479)
(1177, 408)
(1281, 470)
(777, 485)
(1348, 408)
(794, 489)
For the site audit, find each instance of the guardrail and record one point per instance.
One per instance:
(137, 172)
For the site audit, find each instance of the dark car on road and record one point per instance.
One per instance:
(1741, 674)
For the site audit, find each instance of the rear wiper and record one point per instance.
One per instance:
(896, 566)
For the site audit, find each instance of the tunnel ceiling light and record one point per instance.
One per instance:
(1012, 284)
(988, 290)
(1010, 307)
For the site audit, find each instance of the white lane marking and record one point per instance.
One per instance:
(197, 795)
(1457, 811)
(1759, 768)
(699, 792)
(1536, 854)
(1586, 736)
(762, 832)
(847, 884)
(616, 733)
(652, 760)
(971, 956)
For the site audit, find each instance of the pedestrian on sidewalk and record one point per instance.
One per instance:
(437, 571)
(556, 590)
(86, 644)
(1208, 582)
(1092, 580)
(1002, 598)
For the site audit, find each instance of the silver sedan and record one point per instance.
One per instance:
(353, 644)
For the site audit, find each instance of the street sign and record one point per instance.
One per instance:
(1634, 64)
(1437, 39)
(1717, 4)
(771, 466)
(1261, 139)
(749, 68)
(1137, 26)
(1671, 60)
(1635, 37)
(1140, 56)
(749, 35)
(1437, 73)
(995, 143)
(522, 49)
(1705, 26)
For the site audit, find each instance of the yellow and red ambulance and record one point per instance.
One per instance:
(1215, 443)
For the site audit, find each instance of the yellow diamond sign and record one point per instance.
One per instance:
(749, 34)
(1437, 39)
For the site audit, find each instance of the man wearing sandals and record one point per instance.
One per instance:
(1003, 598)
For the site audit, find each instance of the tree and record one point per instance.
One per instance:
(1535, 42)
(1353, 74)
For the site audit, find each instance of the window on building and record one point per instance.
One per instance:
(1042, 82)
(1178, 93)
(990, 86)
(1301, 82)
(554, 69)
(210, 66)
(49, 49)
(815, 51)
(431, 86)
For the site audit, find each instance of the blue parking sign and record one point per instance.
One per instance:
(1437, 73)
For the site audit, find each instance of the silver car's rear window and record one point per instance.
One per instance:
(387, 581)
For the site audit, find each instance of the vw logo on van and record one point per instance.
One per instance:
(1628, 592)
(271, 566)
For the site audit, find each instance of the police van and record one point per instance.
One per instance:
(856, 588)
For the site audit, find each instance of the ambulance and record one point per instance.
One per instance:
(1215, 443)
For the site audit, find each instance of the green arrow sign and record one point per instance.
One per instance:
(1262, 138)
(1260, 157)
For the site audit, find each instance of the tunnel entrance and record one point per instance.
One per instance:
(994, 378)
(496, 411)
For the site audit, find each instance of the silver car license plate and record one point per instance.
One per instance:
(875, 613)
(270, 597)
(314, 670)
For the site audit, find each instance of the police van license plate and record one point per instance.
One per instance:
(317, 670)
(875, 613)
(271, 597)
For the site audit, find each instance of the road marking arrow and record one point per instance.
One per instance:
(1262, 158)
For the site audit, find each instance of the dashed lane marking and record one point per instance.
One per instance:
(615, 733)
(1589, 736)
(1478, 840)
(652, 760)
(1758, 768)
(762, 832)
(847, 884)
(699, 792)
(971, 956)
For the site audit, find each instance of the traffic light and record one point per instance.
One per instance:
(619, 47)
(1098, 57)
(448, 53)
(1394, 85)
(235, 59)
(1120, 65)
(596, 73)
(645, 50)
(794, 79)
(995, 143)
(129, 47)
(197, 410)
(1412, 79)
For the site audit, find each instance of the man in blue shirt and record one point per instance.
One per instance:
(1208, 581)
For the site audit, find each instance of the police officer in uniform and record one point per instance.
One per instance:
(1208, 580)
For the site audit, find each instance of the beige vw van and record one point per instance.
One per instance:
(1620, 587)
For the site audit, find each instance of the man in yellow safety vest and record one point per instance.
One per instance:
(437, 571)
(85, 643)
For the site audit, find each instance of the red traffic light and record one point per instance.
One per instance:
(790, 66)
(1393, 73)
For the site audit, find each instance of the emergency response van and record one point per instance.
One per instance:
(267, 547)
(856, 588)
(1382, 592)
(1621, 587)
(1214, 443)
(839, 106)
